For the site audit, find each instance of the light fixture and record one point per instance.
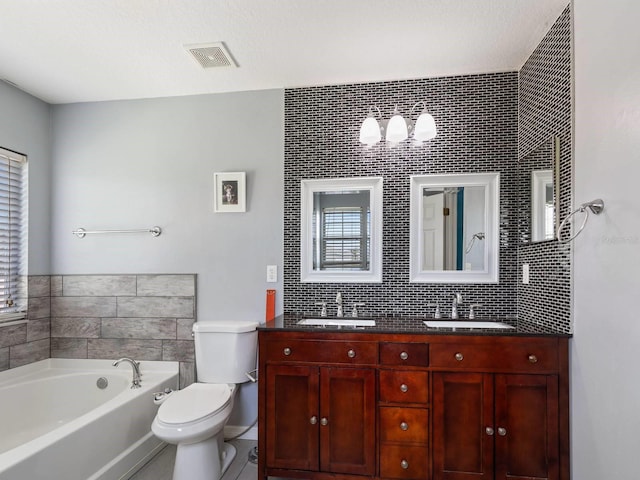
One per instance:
(397, 129)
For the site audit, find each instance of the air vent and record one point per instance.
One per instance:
(211, 55)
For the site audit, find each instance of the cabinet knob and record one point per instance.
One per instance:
(459, 357)
(351, 353)
(404, 388)
(502, 431)
(404, 464)
(489, 431)
(404, 426)
(404, 355)
(533, 359)
(287, 351)
(313, 420)
(324, 422)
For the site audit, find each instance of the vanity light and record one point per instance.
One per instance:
(397, 129)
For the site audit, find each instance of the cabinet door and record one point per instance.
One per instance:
(292, 417)
(463, 439)
(347, 418)
(526, 409)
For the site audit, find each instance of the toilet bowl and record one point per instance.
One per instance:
(194, 418)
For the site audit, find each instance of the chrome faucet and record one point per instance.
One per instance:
(457, 300)
(340, 312)
(135, 382)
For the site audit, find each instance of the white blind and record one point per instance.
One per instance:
(345, 238)
(13, 235)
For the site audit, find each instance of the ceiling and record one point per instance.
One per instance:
(67, 51)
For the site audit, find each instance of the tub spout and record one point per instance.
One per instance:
(135, 382)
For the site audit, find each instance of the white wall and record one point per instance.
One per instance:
(25, 127)
(605, 388)
(140, 163)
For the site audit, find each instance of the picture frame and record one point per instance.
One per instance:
(229, 192)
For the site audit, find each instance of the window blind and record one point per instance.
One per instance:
(345, 238)
(13, 235)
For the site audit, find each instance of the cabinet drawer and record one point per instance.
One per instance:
(412, 354)
(400, 461)
(404, 386)
(505, 357)
(401, 424)
(322, 351)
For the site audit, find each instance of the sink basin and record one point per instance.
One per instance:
(465, 324)
(338, 322)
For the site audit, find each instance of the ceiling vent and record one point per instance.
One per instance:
(211, 55)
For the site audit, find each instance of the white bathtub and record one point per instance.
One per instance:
(55, 423)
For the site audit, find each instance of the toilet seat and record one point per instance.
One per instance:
(195, 403)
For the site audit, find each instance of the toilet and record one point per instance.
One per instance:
(194, 418)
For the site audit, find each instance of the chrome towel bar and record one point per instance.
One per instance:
(81, 232)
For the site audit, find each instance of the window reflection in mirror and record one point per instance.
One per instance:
(454, 228)
(341, 230)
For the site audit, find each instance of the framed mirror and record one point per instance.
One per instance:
(341, 230)
(538, 178)
(454, 228)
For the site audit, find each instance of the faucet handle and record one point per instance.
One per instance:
(354, 310)
(437, 313)
(472, 313)
(323, 312)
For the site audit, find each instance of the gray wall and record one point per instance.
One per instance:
(605, 385)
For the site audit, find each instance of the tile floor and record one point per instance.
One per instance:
(161, 466)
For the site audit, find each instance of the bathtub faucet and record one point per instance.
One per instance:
(135, 383)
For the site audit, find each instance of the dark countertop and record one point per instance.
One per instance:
(411, 325)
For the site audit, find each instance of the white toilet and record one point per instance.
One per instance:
(194, 418)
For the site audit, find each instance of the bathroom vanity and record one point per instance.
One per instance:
(403, 401)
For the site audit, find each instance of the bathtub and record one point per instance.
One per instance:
(56, 423)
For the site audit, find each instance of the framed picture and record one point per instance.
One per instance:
(229, 190)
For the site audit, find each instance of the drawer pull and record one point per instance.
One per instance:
(489, 431)
(404, 464)
(313, 420)
(324, 422)
(287, 351)
(404, 355)
(533, 359)
(502, 431)
(404, 388)
(459, 357)
(404, 426)
(351, 353)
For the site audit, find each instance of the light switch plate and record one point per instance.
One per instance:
(525, 273)
(272, 273)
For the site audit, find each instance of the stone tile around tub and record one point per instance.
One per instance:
(38, 329)
(28, 352)
(13, 335)
(4, 358)
(166, 285)
(178, 350)
(39, 286)
(184, 329)
(75, 327)
(83, 306)
(56, 285)
(98, 285)
(125, 347)
(187, 374)
(69, 348)
(38, 307)
(182, 307)
(158, 328)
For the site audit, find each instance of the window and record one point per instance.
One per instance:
(345, 238)
(13, 235)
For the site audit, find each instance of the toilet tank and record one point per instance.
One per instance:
(225, 350)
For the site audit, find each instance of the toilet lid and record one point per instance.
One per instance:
(195, 402)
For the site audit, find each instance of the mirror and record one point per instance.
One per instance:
(454, 228)
(538, 177)
(341, 237)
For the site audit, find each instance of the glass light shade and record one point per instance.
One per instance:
(397, 129)
(370, 131)
(425, 128)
